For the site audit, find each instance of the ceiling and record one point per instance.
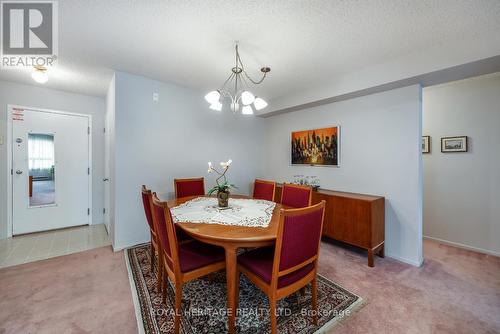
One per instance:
(306, 43)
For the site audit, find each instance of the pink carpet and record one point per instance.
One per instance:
(456, 291)
(87, 292)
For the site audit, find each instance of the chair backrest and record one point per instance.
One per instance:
(296, 196)
(189, 187)
(298, 239)
(166, 232)
(147, 203)
(264, 189)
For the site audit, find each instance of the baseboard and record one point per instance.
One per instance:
(467, 247)
(128, 244)
(405, 260)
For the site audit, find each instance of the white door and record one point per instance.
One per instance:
(50, 170)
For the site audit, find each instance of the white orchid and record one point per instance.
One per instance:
(222, 175)
(225, 164)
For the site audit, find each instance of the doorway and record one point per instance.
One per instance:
(461, 164)
(50, 169)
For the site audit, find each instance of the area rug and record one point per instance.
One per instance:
(204, 304)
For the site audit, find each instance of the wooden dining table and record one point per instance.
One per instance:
(231, 238)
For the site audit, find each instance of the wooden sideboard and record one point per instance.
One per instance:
(355, 219)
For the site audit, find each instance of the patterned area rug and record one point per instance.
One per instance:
(204, 302)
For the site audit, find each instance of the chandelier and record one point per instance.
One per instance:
(236, 90)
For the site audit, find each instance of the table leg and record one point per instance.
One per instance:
(231, 288)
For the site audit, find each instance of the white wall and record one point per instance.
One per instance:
(33, 96)
(380, 155)
(174, 138)
(462, 190)
(109, 161)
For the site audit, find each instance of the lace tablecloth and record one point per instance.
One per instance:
(241, 212)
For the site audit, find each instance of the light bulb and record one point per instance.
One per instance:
(259, 103)
(247, 98)
(216, 106)
(213, 97)
(40, 75)
(247, 110)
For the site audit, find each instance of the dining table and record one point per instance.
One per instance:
(231, 238)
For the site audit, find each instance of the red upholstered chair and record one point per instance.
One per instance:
(182, 262)
(264, 189)
(293, 262)
(189, 187)
(296, 196)
(147, 201)
(148, 207)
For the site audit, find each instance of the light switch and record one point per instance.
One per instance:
(156, 97)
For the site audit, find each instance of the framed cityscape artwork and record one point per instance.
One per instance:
(316, 147)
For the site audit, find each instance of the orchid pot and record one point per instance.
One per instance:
(223, 199)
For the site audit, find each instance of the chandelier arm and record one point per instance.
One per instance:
(227, 80)
(226, 94)
(236, 85)
(244, 84)
(253, 81)
(237, 75)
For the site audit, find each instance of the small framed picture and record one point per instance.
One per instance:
(426, 144)
(454, 144)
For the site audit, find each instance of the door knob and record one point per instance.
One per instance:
(19, 172)
(105, 179)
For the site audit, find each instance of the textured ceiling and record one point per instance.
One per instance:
(306, 43)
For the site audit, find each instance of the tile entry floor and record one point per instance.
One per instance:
(44, 245)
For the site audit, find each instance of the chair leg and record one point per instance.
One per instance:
(178, 299)
(272, 313)
(314, 300)
(159, 276)
(152, 258)
(164, 282)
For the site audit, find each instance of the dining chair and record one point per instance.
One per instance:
(182, 262)
(189, 187)
(147, 203)
(263, 189)
(296, 196)
(292, 263)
